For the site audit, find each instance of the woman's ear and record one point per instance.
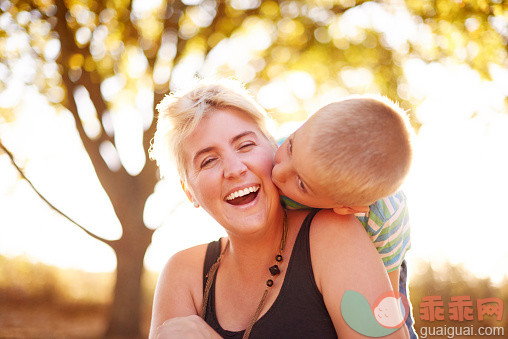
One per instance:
(189, 195)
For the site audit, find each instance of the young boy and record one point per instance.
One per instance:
(352, 156)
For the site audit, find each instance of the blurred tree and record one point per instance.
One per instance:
(111, 61)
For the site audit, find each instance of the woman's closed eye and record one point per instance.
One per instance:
(207, 162)
(246, 146)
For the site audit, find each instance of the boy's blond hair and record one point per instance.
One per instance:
(180, 113)
(363, 149)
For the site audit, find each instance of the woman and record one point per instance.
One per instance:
(274, 275)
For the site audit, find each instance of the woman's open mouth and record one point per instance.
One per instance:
(243, 196)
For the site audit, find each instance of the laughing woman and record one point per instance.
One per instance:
(277, 274)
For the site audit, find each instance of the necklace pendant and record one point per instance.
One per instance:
(274, 270)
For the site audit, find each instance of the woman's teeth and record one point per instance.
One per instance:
(241, 193)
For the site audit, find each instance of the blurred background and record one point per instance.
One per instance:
(85, 224)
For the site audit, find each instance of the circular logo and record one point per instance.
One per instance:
(391, 309)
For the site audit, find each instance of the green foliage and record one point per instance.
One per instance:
(468, 31)
(317, 37)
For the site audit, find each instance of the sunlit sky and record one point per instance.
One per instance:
(456, 189)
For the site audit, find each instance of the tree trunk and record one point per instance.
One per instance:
(125, 312)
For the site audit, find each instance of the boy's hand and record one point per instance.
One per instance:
(345, 210)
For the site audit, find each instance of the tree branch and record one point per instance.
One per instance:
(117, 185)
(173, 11)
(69, 48)
(20, 171)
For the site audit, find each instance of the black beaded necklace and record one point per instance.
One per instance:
(274, 272)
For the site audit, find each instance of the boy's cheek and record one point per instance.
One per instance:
(281, 188)
(278, 185)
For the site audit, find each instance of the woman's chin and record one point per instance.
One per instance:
(249, 216)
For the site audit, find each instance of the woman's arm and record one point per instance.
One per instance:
(179, 287)
(344, 258)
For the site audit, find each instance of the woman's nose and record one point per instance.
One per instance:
(234, 166)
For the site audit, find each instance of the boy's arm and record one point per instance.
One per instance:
(387, 224)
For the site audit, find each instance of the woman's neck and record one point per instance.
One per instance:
(248, 255)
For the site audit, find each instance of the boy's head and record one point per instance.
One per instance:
(348, 154)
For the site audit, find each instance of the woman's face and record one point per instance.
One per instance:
(229, 164)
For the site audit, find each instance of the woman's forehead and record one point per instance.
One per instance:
(229, 118)
(220, 126)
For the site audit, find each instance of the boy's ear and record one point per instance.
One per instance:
(345, 210)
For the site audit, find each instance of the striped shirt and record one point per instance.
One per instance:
(386, 223)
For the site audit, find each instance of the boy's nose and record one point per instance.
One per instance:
(278, 173)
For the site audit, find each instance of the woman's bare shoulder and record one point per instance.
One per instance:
(344, 258)
(338, 236)
(189, 255)
(185, 265)
(327, 223)
(179, 287)
(324, 217)
(180, 282)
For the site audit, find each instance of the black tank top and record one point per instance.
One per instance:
(298, 311)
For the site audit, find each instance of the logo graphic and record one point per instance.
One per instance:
(387, 314)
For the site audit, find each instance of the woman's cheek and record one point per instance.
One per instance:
(268, 155)
(267, 172)
(206, 184)
(268, 166)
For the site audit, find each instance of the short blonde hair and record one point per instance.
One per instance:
(181, 112)
(363, 148)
